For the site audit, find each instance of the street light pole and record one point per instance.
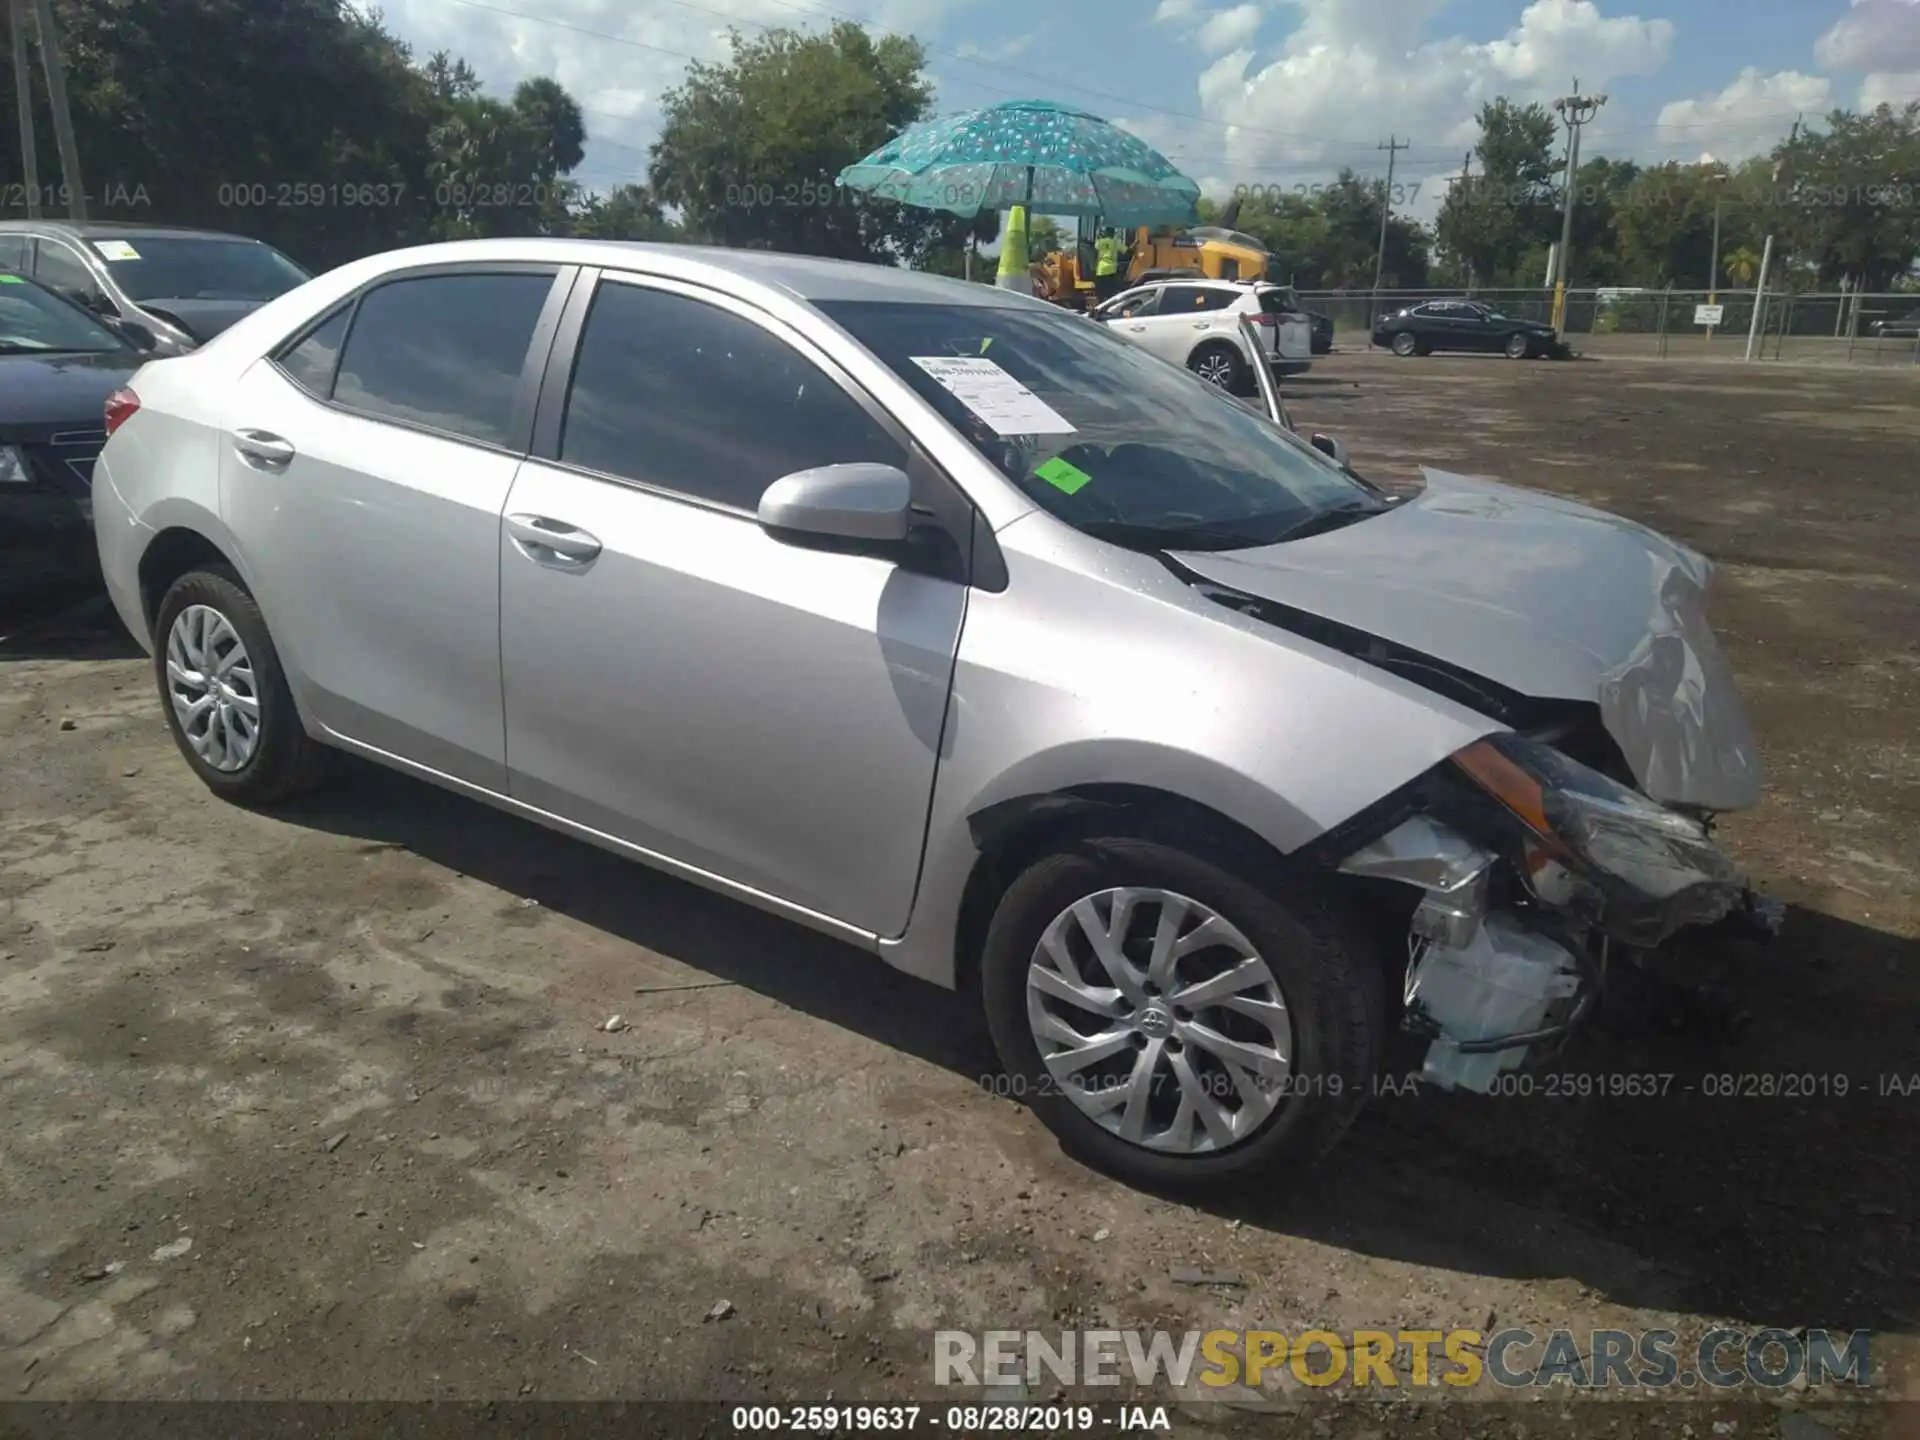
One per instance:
(1713, 265)
(1576, 109)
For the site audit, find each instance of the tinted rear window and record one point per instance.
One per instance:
(444, 351)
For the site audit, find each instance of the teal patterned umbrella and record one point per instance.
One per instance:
(1051, 158)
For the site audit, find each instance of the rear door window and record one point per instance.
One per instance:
(444, 352)
(1183, 299)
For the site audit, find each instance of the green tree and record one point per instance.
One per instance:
(300, 122)
(627, 212)
(750, 148)
(1493, 224)
(499, 169)
(1842, 200)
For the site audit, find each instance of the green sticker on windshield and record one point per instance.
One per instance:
(11, 280)
(1063, 475)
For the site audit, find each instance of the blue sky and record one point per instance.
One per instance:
(1253, 91)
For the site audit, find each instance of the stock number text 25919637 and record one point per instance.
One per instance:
(788, 195)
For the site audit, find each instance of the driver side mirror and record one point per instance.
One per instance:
(1333, 448)
(862, 503)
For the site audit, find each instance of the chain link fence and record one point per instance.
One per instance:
(1843, 328)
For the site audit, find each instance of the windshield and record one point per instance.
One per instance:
(32, 321)
(1114, 441)
(173, 267)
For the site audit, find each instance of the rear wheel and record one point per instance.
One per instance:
(1171, 1021)
(226, 697)
(1222, 365)
(1405, 346)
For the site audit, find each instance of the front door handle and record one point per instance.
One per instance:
(540, 537)
(1137, 329)
(263, 450)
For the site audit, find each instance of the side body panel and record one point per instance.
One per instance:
(376, 553)
(763, 712)
(1096, 667)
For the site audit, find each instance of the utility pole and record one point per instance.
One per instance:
(23, 94)
(56, 69)
(1393, 147)
(1576, 109)
(1466, 192)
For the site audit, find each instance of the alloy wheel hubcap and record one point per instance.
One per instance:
(211, 685)
(1159, 1020)
(1216, 369)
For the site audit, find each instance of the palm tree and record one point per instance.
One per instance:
(1741, 266)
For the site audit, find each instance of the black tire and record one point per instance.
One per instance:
(1221, 364)
(1519, 347)
(286, 761)
(1334, 990)
(1405, 345)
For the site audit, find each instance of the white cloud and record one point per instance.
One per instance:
(1747, 118)
(616, 58)
(1168, 10)
(1877, 36)
(1230, 29)
(1892, 88)
(1354, 70)
(1006, 51)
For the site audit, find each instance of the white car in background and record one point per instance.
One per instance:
(1196, 323)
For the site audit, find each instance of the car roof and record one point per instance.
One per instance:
(119, 230)
(806, 277)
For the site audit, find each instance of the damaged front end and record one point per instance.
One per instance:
(1536, 873)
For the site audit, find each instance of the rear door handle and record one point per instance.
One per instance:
(263, 450)
(539, 537)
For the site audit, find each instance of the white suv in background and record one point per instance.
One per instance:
(1196, 323)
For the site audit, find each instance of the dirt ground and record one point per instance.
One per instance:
(320, 1105)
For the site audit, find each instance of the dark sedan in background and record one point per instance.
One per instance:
(1465, 325)
(166, 290)
(1905, 327)
(58, 367)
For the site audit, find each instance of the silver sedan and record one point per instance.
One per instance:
(940, 620)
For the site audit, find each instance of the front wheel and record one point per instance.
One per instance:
(1172, 1021)
(226, 697)
(1405, 345)
(1220, 365)
(1519, 347)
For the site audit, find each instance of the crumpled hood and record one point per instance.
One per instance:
(1546, 597)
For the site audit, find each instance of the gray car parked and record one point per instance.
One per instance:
(166, 290)
(940, 620)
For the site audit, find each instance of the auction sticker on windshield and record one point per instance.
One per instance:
(116, 250)
(1007, 406)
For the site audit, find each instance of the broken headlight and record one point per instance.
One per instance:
(1641, 870)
